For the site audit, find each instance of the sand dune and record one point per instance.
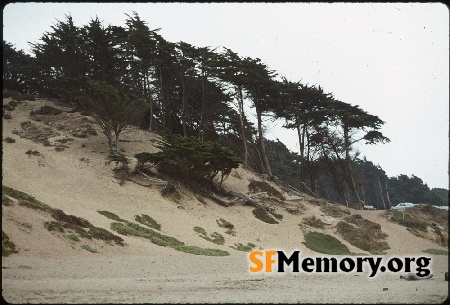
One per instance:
(49, 268)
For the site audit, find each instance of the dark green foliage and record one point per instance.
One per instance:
(214, 237)
(159, 239)
(408, 221)
(225, 224)
(436, 251)
(47, 110)
(263, 215)
(245, 248)
(8, 247)
(9, 140)
(324, 243)
(191, 159)
(111, 216)
(148, 221)
(368, 238)
(25, 199)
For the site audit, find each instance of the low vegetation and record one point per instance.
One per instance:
(88, 248)
(147, 221)
(214, 237)
(436, 251)
(325, 244)
(63, 222)
(47, 110)
(111, 216)
(263, 215)
(159, 239)
(314, 222)
(8, 247)
(245, 248)
(228, 225)
(363, 233)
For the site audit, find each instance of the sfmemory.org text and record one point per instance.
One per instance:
(264, 261)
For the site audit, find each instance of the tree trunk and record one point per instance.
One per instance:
(266, 164)
(349, 167)
(241, 118)
(381, 193)
(183, 113)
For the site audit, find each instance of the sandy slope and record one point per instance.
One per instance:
(50, 268)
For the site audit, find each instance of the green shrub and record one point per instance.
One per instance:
(8, 247)
(245, 248)
(263, 215)
(87, 247)
(324, 243)
(148, 221)
(214, 237)
(225, 224)
(25, 199)
(190, 159)
(436, 251)
(111, 216)
(47, 110)
(73, 236)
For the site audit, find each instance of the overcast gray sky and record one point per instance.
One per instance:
(391, 59)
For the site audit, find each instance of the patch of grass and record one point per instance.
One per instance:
(245, 248)
(230, 232)
(148, 221)
(9, 140)
(25, 199)
(200, 230)
(202, 251)
(225, 224)
(408, 221)
(314, 222)
(73, 237)
(214, 237)
(87, 247)
(8, 247)
(436, 251)
(47, 110)
(263, 215)
(365, 238)
(228, 225)
(159, 239)
(111, 216)
(325, 244)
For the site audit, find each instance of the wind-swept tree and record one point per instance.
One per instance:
(112, 109)
(353, 120)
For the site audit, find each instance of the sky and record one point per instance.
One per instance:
(391, 59)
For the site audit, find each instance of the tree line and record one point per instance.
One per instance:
(131, 75)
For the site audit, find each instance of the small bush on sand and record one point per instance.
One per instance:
(436, 251)
(8, 247)
(263, 186)
(73, 236)
(325, 244)
(263, 215)
(9, 140)
(148, 221)
(214, 237)
(47, 110)
(245, 248)
(87, 247)
(111, 216)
